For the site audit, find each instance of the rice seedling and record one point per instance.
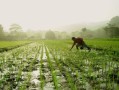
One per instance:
(50, 65)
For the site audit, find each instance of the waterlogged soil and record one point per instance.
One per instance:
(37, 67)
(21, 68)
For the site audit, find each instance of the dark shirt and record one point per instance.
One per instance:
(78, 41)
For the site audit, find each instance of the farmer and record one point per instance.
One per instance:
(79, 43)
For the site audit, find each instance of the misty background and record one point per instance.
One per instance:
(58, 19)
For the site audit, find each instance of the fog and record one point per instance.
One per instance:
(52, 14)
(58, 19)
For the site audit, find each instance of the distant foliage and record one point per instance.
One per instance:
(1, 32)
(16, 32)
(86, 33)
(115, 21)
(112, 29)
(50, 35)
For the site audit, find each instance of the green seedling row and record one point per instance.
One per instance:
(49, 65)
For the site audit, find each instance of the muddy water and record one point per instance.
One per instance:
(62, 82)
(11, 65)
(35, 75)
(49, 85)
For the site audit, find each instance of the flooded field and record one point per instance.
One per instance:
(45, 66)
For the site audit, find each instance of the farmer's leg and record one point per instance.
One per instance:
(81, 46)
(84, 45)
(77, 45)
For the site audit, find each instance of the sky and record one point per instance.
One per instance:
(47, 14)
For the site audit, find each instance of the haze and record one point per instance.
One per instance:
(47, 14)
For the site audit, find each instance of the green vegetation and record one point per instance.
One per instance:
(109, 30)
(102, 44)
(107, 44)
(4, 44)
(48, 64)
(8, 45)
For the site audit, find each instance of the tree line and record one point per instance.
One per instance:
(16, 32)
(111, 30)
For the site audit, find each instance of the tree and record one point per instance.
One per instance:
(16, 32)
(1, 32)
(50, 35)
(112, 31)
(84, 29)
(86, 33)
(15, 29)
(115, 21)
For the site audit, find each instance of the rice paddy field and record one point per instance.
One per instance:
(8, 45)
(50, 65)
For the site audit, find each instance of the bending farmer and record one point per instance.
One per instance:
(79, 43)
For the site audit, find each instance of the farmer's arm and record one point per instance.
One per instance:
(73, 45)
